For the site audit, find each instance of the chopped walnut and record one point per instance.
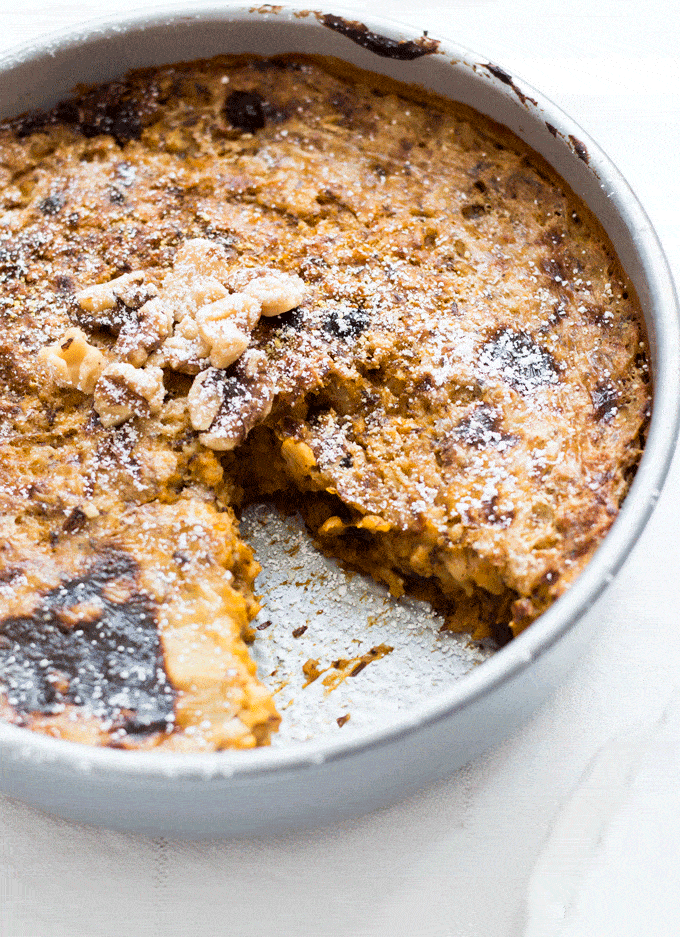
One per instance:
(225, 326)
(244, 403)
(130, 304)
(227, 341)
(276, 292)
(205, 398)
(243, 310)
(183, 294)
(142, 335)
(104, 296)
(123, 390)
(73, 361)
(185, 350)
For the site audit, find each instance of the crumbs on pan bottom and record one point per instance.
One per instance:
(320, 619)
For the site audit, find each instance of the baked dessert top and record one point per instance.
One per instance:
(244, 277)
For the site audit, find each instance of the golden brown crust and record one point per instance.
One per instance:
(462, 391)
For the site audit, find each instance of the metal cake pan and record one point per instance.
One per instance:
(316, 782)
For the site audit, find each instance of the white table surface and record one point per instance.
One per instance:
(571, 828)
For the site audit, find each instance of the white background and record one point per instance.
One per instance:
(572, 827)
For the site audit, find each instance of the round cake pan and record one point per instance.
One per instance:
(312, 783)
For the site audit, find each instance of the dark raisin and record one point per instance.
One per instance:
(470, 212)
(52, 204)
(75, 522)
(346, 321)
(605, 399)
(245, 110)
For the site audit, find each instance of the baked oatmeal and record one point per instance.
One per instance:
(245, 278)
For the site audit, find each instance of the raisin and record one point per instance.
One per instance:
(346, 322)
(245, 110)
(52, 204)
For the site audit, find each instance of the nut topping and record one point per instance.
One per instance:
(124, 390)
(277, 292)
(204, 399)
(190, 323)
(73, 361)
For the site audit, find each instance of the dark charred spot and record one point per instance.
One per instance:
(245, 110)
(579, 148)
(507, 79)
(27, 124)
(101, 111)
(67, 112)
(471, 212)
(605, 399)
(499, 73)
(108, 109)
(298, 632)
(553, 237)
(92, 642)
(278, 113)
(524, 184)
(519, 360)
(345, 321)
(346, 461)
(52, 204)
(275, 63)
(480, 186)
(406, 50)
(116, 197)
(551, 128)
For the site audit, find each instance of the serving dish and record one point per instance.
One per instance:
(318, 781)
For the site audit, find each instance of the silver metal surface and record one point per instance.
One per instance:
(440, 723)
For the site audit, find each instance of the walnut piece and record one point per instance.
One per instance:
(185, 350)
(205, 399)
(225, 327)
(73, 361)
(103, 296)
(123, 390)
(276, 292)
